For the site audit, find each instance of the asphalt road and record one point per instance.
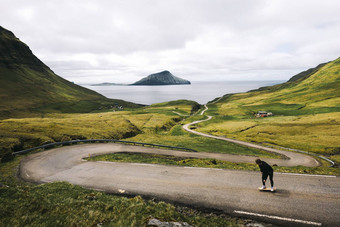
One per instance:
(299, 199)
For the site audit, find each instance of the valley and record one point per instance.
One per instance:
(38, 107)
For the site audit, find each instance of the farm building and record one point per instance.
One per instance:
(264, 114)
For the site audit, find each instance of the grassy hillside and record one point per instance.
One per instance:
(28, 86)
(306, 113)
(18, 134)
(318, 93)
(158, 124)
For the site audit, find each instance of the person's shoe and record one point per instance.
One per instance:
(272, 189)
(263, 187)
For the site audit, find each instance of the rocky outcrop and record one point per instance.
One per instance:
(161, 78)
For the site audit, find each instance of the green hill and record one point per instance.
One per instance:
(28, 86)
(305, 74)
(313, 91)
(161, 78)
(306, 112)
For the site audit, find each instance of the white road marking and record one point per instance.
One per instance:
(278, 218)
(106, 162)
(142, 164)
(305, 175)
(190, 167)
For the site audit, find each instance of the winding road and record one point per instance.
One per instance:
(306, 200)
(293, 159)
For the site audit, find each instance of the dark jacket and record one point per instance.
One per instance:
(265, 167)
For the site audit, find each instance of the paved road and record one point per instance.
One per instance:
(293, 159)
(307, 200)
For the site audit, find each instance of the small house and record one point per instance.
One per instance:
(264, 114)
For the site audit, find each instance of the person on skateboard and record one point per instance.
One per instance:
(266, 171)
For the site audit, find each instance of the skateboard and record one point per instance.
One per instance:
(266, 189)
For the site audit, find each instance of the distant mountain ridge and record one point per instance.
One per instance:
(14, 53)
(313, 91)
(294, 80)
(28, 86)
(305, 74)
(161, 78)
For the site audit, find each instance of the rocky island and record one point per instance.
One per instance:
(161, 78)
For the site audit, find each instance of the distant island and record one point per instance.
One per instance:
(161, 78)
(108, 84)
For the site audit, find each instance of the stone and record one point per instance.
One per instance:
(158, 223)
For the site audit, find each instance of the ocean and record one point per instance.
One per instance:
(201, 92)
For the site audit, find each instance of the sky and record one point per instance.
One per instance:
(122, 41)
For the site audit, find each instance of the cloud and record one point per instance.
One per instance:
(123, 40)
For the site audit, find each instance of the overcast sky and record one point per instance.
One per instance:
(125, 40)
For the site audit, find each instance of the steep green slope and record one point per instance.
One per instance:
(305, 74)
(317, 92)
(28, 86)
(306, 113)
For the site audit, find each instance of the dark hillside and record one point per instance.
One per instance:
(305, 74)
(28, 86)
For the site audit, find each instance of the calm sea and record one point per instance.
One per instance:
(201, 92)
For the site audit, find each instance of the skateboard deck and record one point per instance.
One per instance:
(267, 189)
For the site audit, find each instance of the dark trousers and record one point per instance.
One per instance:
(265, 176)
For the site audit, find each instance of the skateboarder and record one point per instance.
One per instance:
(266, 171)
